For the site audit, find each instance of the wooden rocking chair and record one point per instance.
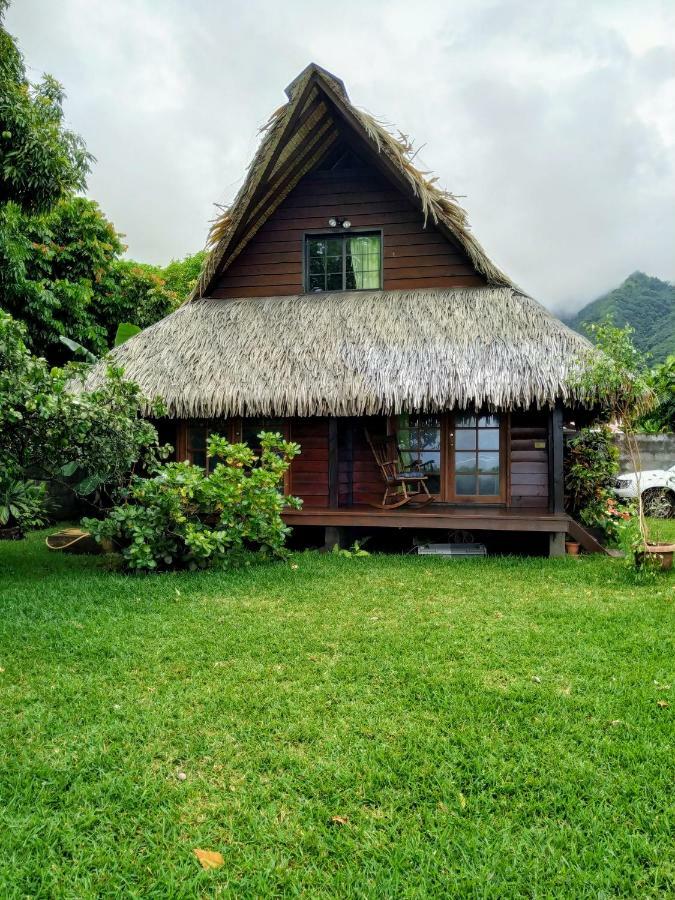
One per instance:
(401, 484)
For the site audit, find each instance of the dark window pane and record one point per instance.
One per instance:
(317, 247)
(334, 282)
(465, 485)
(488, 485)
(350, 279)
(434, 484)
(316, 266)
(334, 246)
(199, 458)
(197, 438)
(465, 439)
(488, 439)
(316, 283)
(488, 462)
(465, 462)
(334, 265)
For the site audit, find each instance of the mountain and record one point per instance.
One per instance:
(646, 304)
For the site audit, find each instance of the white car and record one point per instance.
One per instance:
(657, 487)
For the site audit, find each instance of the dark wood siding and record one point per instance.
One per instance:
(360, 480)
(529, 459)
(414, 256)
(309, 471)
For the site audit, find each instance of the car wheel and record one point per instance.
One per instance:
(658, 503)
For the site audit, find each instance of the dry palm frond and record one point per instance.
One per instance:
(354, 353)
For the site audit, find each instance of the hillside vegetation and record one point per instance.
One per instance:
(646, 304)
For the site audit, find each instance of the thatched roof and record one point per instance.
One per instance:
(353, 353)
(294, 141)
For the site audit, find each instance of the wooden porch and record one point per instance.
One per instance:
(435, 516)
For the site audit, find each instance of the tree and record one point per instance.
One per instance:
(50, 430)
(56, 275)
(62, 273)
(181, 274)
(615, 374)
(662, 416)
(40, 159)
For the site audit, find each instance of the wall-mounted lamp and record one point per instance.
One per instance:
(335, 222)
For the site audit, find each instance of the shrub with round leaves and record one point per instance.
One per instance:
(183, 518)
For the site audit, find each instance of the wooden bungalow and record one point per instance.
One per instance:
(345, 300)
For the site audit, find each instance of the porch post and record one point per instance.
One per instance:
(333, 463)
(556, 543)
(556, 497)
(333, 534)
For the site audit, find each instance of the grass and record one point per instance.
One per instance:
(486, 728)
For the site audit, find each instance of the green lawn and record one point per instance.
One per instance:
(487, 728)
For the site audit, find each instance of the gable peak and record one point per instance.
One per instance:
(315, 69)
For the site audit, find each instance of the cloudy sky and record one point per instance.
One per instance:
(553, 119)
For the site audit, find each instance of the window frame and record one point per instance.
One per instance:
(451, 487)
(339, 233)
(448, 493)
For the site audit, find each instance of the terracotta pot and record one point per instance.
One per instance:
(661, 552)
(572, 548)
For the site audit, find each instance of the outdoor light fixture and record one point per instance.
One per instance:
(334, 221)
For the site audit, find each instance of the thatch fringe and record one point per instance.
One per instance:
(354, 353)
(436, 204)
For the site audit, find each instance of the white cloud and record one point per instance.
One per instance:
(554, 119)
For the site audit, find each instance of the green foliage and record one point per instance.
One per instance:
(181, 517)
(356, 550)
(615, 374)
(22, 503)
(125, 330)
(662, 416)
(49, 429)
(56, 275)
(62, 274)
(646, 304)
(40, 159)
(591, 466)
(181, 274)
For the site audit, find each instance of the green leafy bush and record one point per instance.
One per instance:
(51, 431)
(182, 518)
(22, 504)
(591, 467)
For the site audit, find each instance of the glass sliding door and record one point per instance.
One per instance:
(476, 465)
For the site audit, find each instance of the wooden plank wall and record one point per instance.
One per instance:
(309, 471)
(529, 459)
(360, 478)
(413, 256)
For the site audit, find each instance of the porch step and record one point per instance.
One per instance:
(587, 541)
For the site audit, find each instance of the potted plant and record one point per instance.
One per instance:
(572, 548)
(22, 505)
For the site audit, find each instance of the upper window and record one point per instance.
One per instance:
(343, 262)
